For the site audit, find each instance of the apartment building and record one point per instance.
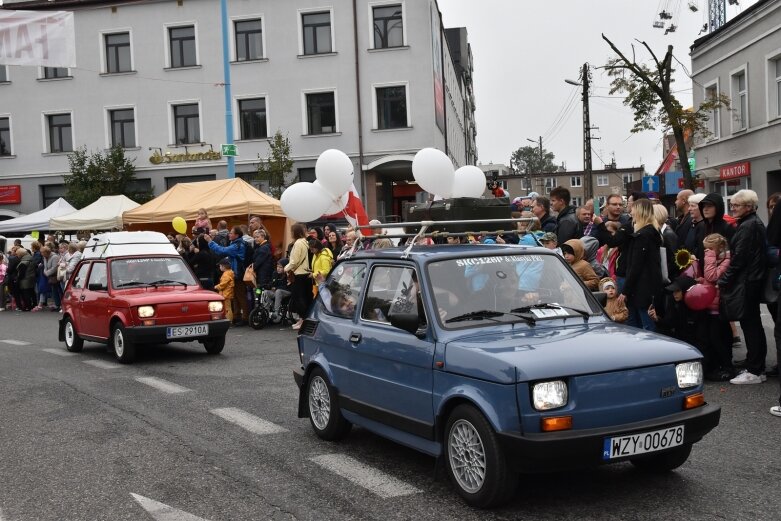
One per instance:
(377, 79)
(741, 60)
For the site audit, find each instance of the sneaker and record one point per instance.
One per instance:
(736, 342)
(746, 378)
(776, 410)
(297, 325)
(36, 308)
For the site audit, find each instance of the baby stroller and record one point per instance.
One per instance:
(264, 307)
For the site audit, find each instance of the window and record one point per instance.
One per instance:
(388, 26)
(602, 180)
(123, 128)
(711, 93)
(81, 276)
(60, 137)
(343, 289)
(249, 40)
(740, 101)
(316, 29)
(118, 53)
(5, 136)
(392, 290)
(306, 175)
(182, 40)
(550, 184)
(576, 202)
(391, 107)
(50, 73)
(321, 113)
(3, 74)
(252, 117)
(187, 124)
(601, 202)
(778, 87)
(98, 279)
(50, 193)
(575, 181)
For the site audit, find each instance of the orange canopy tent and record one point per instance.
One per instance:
(232, 200)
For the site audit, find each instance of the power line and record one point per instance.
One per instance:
(558, 117)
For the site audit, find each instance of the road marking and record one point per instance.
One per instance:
(59, 352)
(162, 512)
(162, 385)
(248, 421)
(365, 476)
(15, 342)
(102, 364)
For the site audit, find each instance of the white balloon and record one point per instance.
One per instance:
(304, 202)
(335, 204)
(335, 171)
(469, 181)
(433, 171)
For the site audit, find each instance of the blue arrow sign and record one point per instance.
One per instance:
(651, 183)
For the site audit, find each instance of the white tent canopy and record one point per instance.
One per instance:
(38, 220)
(103, 214)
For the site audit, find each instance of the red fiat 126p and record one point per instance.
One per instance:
(133, 288)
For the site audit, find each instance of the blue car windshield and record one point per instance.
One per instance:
(150, 271)
(505, 288)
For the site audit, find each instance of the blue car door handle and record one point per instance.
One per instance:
(355, 338)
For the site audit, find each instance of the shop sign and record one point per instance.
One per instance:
(210, 155)
(698, 183)
(735, 170)
(10, 194)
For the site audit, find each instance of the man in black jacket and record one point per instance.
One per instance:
(568, 226)
(747, 268)
(541, 210)
(684, 217)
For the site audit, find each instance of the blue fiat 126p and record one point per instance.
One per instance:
(497, 359)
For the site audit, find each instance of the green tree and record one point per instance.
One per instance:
(649, 94)
(527, 160)
(277, 166)
(95, 175)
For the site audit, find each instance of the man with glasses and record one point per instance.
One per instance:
(747, 269)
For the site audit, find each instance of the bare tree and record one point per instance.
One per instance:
(649, 94)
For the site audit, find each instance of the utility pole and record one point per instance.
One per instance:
(588, 191)
(542, 163)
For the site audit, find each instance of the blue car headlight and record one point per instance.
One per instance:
(549, 395)
(689, 374)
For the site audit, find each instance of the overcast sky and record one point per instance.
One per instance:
(523, 50)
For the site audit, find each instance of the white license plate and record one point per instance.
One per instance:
(187, 331)
(642, 443)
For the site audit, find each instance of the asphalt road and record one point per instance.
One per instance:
(181, 435)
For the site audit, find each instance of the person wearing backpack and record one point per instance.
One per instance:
(236, 253)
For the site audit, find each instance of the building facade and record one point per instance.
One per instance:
(741, 60)
(379, 82)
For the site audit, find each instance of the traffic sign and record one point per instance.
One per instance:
(651, 183)
(229, 150)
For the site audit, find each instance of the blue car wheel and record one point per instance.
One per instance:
(324, 413)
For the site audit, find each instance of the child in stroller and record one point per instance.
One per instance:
(271, 304)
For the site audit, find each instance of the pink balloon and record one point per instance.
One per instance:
(699, 297)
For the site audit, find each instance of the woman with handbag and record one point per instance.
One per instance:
(740, 288)
(643, 283)
(298, 266)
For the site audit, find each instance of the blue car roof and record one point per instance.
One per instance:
(427, 253)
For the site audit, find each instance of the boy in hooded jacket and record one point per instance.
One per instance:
(574, 253)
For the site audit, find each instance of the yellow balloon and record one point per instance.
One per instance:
(179, 224)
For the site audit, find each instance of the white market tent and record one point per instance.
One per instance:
(38, 220)
(103, 214)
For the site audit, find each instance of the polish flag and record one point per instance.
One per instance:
(354, 212)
